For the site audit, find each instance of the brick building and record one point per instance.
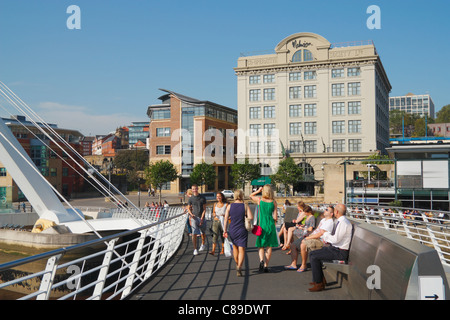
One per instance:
(179, 132)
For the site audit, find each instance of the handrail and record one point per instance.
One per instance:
(422, 225)
(119, 263)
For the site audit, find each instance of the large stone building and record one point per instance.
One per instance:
(320, 102)
(180, 132)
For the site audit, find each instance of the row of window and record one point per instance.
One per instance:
(295, 128)
(337, 90)
(306, 146)
(307, 75)
(307, 110)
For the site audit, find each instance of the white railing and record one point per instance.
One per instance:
(103, 269)
(429, 227)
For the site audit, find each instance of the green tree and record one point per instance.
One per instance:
(131, 159)
(288, 173)
(203, 174)
(241, 173)
(159, 173)
(443, 115)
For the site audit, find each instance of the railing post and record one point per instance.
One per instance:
(134, 264)
(98, 290)
(48, 278)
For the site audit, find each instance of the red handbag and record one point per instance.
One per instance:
(257, 230)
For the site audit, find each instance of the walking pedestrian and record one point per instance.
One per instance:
(218, 221)
(237, 212)
(267, 219)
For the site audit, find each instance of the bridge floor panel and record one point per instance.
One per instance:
(208, 277)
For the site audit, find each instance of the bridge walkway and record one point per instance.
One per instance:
(208, 277)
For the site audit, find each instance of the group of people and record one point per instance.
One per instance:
(228, 222)
(329, 241)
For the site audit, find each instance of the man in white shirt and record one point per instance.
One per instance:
(339, 241)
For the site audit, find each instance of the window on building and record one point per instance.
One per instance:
(310, 92)
(354, 126)
(255, 95)
(269, 129)
(269, 94)
(310, 110)
(354, 72)
(337, 73)
(269, 112)
(254, 79)
(163, 132)
(310, 75)
(2, 172)
(254, 129)
(337, 90)
(338, 108)
(269, 147)
(310, 127)
(295, 76)
(339, 145)
(295, 128)
(295, 146)
(338, 126)
(354, 88)
(161, 114)
(162, 150)
(269, 78)
(354, 145)
(295, 110)
(354, 107)
(310, 146)
(295, 92)
(254, 147)
(255, 113)
(307, 55)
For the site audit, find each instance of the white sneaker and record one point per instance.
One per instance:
(202, 248)
(195, 252)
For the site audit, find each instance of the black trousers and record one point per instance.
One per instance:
(327, 253)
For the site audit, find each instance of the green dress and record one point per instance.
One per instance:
(268, 237)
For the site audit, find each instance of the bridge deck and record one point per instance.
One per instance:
(207, 277)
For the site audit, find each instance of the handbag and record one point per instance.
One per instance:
(257, 230)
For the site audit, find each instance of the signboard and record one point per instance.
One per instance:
(431, 288)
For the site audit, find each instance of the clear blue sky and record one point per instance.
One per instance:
(108, 72)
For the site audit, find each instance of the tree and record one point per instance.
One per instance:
(288, 173)
(131, 159)
(443, 116)
(203, 174)
(159, 173)
(241, 173)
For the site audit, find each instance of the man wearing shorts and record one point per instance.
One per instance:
(197, 210)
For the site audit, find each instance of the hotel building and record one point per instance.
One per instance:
(421, 105)
(179, 132)
(319, 102)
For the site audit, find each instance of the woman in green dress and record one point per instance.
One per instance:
(267, 218)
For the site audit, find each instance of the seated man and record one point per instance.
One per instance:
(339, 241)
(311, 242)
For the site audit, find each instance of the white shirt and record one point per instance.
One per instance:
(342, 236)
(326, 225)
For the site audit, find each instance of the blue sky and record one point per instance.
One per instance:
(106, 74)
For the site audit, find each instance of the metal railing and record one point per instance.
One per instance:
(102, 269)
(429, 227)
